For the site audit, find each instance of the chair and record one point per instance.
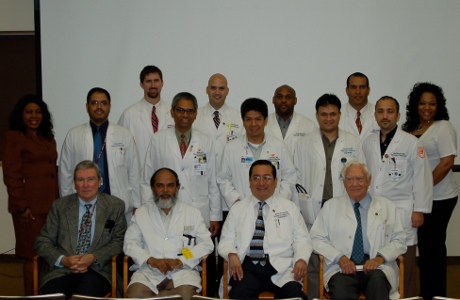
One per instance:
(262, 295)
(81, 297)
(57, 296)
(127, 261)
(39, 264)
(323, 294)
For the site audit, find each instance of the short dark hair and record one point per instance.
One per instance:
(357, 74)
(149, 70)
(327, 99)
(16, 121)
(97, 90)
(391, 98)
(186, 96)
(255, 104)
(262, 162)
(152, 179)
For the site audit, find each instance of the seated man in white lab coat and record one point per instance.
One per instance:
(360, 236)
(166, 239)
(274, 256)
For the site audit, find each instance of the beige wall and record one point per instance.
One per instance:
(16, 15)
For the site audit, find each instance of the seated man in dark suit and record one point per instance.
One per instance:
(81, 234)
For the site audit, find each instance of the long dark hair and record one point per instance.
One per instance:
(412, 116)
(16, 117)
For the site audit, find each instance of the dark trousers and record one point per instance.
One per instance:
(432, 259)
(90, 283)
(374, 284)
(257, 278)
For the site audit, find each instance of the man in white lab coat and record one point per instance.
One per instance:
(110, 146)
(222, 124)
(286, 124)
(265, 240)
(358, 113)
(319, 158)
(150, 114)
(191, 153)
(166, 240)
(402, 173)
(360, 236)
(239, 155)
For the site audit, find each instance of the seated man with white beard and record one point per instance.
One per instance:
(166, 240)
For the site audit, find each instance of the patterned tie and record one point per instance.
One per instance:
(99, 156)
(84, 234)
(358, 122)
(216, 119)
(256, 248)
(357, 255)
(183, 145)
(154, 119)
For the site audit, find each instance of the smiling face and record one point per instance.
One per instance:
(356, 183)
(98, 108)
(87, 184)
(328, 118)
(262, 183)
(427, 107)
(165, 189)
(358, 91)
(152, 85)
(254, 123)
(32, 117)
(217, 90)
(184, 114)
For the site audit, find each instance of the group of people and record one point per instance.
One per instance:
(270, 191)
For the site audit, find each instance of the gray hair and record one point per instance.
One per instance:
(85, 165)
(184, 96)
(355, 163)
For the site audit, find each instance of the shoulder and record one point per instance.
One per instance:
(13, 134)
(445, 125)
(383, 201)
(79, 129)
(190, 210)
(303, 119)
(120, 130)
(349, 136)
(201, 136)
(65, 201)
(132, 108)
(273, 141)
(111, 201)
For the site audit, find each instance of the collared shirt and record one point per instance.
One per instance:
(105, 187)
(284, 125)
(387, 141)
(364, 211)
(256, 149)
(166, 218)
(328, 189)
(188, 136)
(265, 210)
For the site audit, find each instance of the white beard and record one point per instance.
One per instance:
(165, 203)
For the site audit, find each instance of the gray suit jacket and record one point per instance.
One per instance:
(59, 235)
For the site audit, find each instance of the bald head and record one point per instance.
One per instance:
(284, 101)
(217, 90)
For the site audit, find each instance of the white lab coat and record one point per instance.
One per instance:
(334, 230)
(122, 162)
(146, 237)
(348, 120)
(403, 175)
(310, 163)
(286, 236)
(299, 127)
(197, 188)
(233, 176)
(138, 119)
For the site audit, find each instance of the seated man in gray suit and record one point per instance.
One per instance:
(81, 234)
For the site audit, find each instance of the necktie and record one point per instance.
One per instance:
(358, 122)
(357, 254)
(256, 248)
(84, 234)
(154, 119)
(183, 145)
(99, 156)
(216, 119)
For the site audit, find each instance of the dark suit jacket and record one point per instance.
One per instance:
(59, 235)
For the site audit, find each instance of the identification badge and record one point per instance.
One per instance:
(187, 253)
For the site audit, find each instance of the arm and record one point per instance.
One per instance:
(147, 172)
(66, 166)
(443, 168)
(422, 191)
(224, 179)
(215, 204)
(134, 172)
(288, 174)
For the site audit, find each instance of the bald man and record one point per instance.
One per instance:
(285, 124)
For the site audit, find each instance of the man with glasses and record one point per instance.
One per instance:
(110, 146)
(191, 154)
(273, 256)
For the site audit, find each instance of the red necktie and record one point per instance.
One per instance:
(154, 119)
(182, 146)
(358, 122)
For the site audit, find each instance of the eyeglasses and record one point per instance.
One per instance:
(182, 111)
(266, 178)
(97, 103)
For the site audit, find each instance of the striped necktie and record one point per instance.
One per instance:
(358, 122)
(154, 119)
(256, 248)
(216, 119)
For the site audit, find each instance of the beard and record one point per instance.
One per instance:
(165, 203)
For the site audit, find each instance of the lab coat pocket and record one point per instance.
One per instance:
(306, 208)
(119, 153)
(199, 185)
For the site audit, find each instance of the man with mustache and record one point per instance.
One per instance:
(358, 113)
(402, 173)
(166, 239)
(150, 114)
(110, 146)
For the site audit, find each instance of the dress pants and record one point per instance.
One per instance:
(374, 284)
(257, 278)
